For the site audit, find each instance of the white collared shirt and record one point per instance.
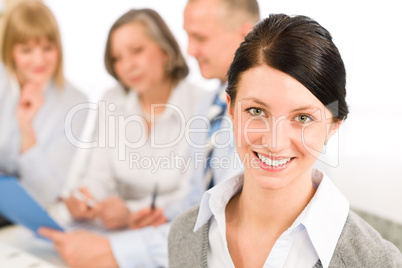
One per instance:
(129, 161)
(313, 235)
(42, 169)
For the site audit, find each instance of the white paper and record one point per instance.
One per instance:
(12, 257)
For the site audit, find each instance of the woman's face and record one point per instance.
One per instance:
(35, 60)
(138, 61)
(280, 127)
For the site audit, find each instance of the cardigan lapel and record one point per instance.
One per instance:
(205, 245)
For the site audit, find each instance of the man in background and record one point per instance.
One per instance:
(215, 29)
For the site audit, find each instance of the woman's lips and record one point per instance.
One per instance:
(39, 70)
(273, 163)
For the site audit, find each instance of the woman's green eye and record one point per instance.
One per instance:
(303, 118)
(256, 111)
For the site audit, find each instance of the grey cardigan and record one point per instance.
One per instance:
(359, 245)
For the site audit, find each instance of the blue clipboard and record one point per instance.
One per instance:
(19, 207)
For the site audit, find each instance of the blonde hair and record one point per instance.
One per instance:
(30, 20)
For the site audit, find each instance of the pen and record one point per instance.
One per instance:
(88, 201)
(154, 197)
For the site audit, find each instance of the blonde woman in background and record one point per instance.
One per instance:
(34, 101)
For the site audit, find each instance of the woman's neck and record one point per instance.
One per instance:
(260, 209)
(159, 94)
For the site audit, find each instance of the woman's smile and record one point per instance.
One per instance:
(273, 163)
(279, 125)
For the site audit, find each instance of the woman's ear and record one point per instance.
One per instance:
(230, 111)
(333, 128)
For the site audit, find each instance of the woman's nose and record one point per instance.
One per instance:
(38, 56)
(128, 62)
(277, 138)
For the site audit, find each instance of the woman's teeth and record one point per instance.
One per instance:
(273, 163)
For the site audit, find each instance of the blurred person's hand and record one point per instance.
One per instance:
(79, 207)
(31, 100)
(147, 217)
(114, 213)
(81, 248)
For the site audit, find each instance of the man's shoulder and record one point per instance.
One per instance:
(187, 97)
(360, 245)
(206, 101)
(191, 89)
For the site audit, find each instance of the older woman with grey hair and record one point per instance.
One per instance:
(138, 169)
(142, 126)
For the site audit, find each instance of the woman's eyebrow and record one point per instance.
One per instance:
(303, 108)
(256, 100)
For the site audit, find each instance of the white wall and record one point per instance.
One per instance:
(367, 156)
(2, 5)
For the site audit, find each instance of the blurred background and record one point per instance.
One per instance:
(365, 159)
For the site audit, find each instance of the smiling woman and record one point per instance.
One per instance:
(286, 97)
(34, 100)
(283, 135)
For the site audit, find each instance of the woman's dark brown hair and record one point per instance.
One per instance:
(299, 47)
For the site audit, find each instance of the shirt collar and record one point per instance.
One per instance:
(222, 87)
(133, 104)
(323, 218)
(217, 198)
